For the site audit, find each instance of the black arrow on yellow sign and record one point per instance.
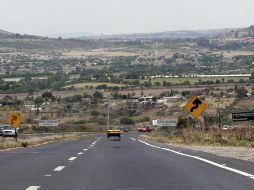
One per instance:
(196, 103)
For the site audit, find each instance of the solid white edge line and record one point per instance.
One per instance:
(59, 168)
(203, 160)
(33, 187)
(72, 158)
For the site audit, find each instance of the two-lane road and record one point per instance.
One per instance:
(129, 164)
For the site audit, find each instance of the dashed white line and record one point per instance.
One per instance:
(80, 153)
(133, 139)
(72, 158)
(204, 160)
(33, 187)
(47, 175)
(85, 149)
(59, 168)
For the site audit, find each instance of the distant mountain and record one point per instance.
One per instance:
(70, 35)
(167, 34)
(5, 33)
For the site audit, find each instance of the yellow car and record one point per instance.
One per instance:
(114, 132)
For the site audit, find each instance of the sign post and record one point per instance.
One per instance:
(195, 107)
(14, 120)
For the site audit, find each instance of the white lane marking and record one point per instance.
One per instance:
(72, 158)
(47, 175)
(85, 149)
(133, 139)
(80, 153)
(203, 160)
(33, 187)
(98, 139)
(59, 168)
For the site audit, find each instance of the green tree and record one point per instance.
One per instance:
(98, 95)
(39, 100)
(127, 121)
(241, 92)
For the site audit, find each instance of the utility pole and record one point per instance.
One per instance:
(219, 118)
(219, 114)
(108, 111)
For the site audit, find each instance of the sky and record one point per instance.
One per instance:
(43, 17)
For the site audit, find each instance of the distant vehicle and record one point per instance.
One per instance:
(1, 128)
(114, 132)
(144, 129)
(8, 131)
(226, 127)
(124, 129)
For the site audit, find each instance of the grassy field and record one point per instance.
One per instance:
(238, 136)
(97, 52)
(93, 84)
(7, 143)
(196, 80)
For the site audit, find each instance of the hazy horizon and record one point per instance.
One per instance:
(47, 17)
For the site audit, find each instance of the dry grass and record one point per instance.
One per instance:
(230, 54)
(239, 136)
(7, 143)
(97, 52)
(93, 84)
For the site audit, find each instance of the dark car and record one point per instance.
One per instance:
(124, 129)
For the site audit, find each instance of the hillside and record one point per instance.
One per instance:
(5, 33)
(167, 34)
(242, 33)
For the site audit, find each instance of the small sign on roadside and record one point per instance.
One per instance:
(165, 123)
(243, 116)
(48, 123)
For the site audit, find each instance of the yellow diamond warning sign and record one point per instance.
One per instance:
(195, 106)
(14, 119)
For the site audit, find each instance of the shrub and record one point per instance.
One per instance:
(127, 121)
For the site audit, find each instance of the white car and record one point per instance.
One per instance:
(8, 131)
(226, 127)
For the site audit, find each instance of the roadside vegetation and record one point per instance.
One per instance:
(237, 136)
(7, 143)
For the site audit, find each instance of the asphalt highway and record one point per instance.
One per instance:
(129, 164)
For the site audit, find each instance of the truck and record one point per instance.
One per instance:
(114, 132)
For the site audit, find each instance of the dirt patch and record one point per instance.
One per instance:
(231, 152)
(97, 52)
